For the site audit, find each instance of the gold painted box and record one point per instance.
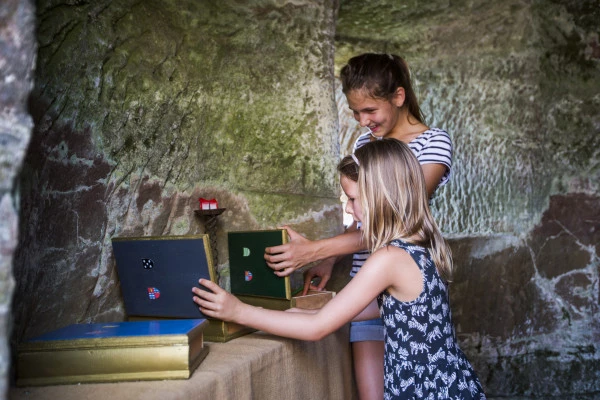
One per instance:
(111, 352)
(216, 330)
(223, 331)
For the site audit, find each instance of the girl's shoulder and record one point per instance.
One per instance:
(434, 146)
(433, 133)
(400, 244)
(390, 256)
(403, 243)
(410, 248)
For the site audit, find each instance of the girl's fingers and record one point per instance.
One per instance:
(210, 285)
(213, 287)
(284, 272)
(214, 303)
(204, 304)
(204, 294)
(207, 312)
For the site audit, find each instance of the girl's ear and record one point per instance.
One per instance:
(399, 97)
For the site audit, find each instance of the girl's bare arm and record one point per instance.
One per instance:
(299, 251)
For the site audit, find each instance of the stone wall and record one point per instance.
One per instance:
(140, 108)
(516, 86)
(17, 61)
(526, 309)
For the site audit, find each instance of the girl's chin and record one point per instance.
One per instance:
(375, 132)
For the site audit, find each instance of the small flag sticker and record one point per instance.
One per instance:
(247, 276)
(153, 293)
(147, 263)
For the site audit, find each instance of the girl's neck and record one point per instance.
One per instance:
(407, 127)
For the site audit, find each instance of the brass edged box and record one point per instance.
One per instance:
(249, 273)
(177, 264)
(156, 274)
(224, 331)
(112, 352)
(216, 330)
(253, 281)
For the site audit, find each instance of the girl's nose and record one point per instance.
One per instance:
(363, 121)
(349, 209)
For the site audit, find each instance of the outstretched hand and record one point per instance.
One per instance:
(287, 258)
(322, 271)
(218, 303)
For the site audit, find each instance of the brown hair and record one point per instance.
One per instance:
(348, 168)
(380, 75)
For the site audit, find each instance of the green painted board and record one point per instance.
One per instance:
(250, 274)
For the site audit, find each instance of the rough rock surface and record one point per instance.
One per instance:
(17, 62)
(140, 108)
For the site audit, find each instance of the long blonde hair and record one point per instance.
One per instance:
(394, 200)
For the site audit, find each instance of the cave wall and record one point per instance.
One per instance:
(140, 109)
(17, 62)
(516, 85)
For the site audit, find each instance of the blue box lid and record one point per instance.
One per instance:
(121, 329)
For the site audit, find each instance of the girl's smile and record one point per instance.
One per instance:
(379, 115)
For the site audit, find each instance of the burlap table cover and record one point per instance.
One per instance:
(256, 366)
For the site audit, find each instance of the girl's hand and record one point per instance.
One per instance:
(218, 303)
(322, 270)
(286, 258)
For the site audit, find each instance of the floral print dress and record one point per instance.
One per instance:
(422, 357)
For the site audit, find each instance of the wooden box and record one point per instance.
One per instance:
(110, 352)
(223, 331)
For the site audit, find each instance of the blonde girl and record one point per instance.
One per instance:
(408, 274)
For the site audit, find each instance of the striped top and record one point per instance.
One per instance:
(431, 147)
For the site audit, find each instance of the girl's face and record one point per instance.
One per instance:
(353, 204)
(379, 115)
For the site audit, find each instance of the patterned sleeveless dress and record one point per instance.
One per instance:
(422, 357)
